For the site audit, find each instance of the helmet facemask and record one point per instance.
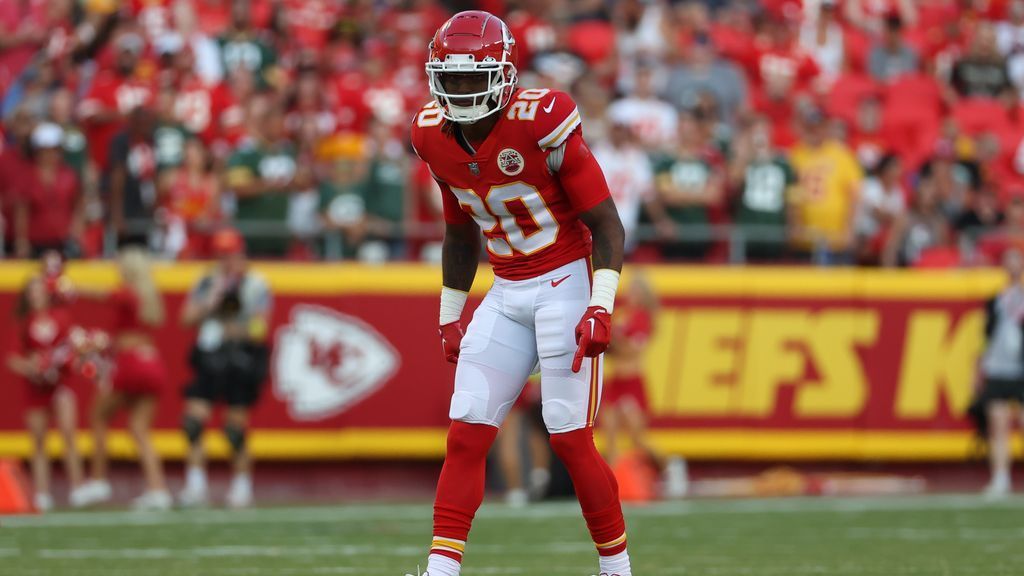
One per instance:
(469, 107)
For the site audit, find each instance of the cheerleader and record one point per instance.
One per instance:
(44, 363)
(624, 399)
(134, 379)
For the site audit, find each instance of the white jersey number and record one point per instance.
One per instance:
(495, 210)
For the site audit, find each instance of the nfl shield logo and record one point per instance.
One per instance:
(474, 168)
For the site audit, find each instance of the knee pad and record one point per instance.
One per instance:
(558, 415)
(193, 428)
(468, 407)
(236, 437)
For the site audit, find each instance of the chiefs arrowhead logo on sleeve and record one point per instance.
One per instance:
(326, 361)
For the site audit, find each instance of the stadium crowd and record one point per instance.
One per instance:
(829, 131)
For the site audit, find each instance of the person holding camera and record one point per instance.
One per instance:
(231, 307)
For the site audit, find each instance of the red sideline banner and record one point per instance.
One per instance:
(745, 363)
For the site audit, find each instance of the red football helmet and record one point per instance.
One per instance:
(472, 42)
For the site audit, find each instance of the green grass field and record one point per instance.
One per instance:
(931, 535)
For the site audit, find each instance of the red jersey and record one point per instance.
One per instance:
(633, 323)
(44, 331)
(206, 110)
(51, 205)
(110, 92)
(125, 303)
(44, 334)
(154, 16)
(512, 185)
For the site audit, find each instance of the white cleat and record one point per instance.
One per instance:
(676, 481)
(43, 502)
(517, 498)
(240, 493)
(540, 478)
(193, 497)
(997, 489)
(79, 497)
(94, 492)
(153, 501)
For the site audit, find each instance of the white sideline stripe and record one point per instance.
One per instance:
(538, 512)
(267, 551)
(222, 552)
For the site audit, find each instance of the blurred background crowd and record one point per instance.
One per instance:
(872, 132)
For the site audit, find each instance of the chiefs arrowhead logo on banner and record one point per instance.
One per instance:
(326, 361)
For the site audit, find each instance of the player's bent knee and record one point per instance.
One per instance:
(559, 416)
(193, 428)
(236, 437)
(465, 407)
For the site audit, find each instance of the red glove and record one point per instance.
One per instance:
(593, 334)
(451, 339)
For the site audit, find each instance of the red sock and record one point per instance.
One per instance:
(596, 489)
(460, 489)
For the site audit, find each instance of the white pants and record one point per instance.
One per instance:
(519, 322)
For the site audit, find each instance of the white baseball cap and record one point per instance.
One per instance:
(47, 135)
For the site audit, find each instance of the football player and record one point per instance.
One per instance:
(513, 164)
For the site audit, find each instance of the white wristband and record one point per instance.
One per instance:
(602, 294)
(452, 303)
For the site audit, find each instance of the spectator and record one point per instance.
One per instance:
(387, 175)
(689, 183)
(343, 198)
(1010, 40)
(48, 214)
(824, 207)
(882, 202)
(865, 136)
(982, 72)
(191, 196)
(14, 162)
(643, 34)
(952, 177)
(208, 110)
(23, 31)
(630, 178)
(871, 15)
(702, 71)
(892, 57)
(982, 216)
(169, 135)
(231, 307)
(114, 94)
(765, 182)
(654, 121)
(822, 37)
(263, 174)
(919, 229)
(133, 194)
(242, 46)
(207, 63)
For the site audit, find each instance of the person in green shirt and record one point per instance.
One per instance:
(765, 181)
(242, 47)
(387, 185)
(262, 174)
(689, 183)
(170, 134)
